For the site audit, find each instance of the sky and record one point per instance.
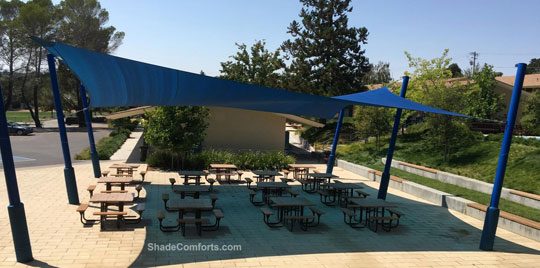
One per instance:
(199, 35)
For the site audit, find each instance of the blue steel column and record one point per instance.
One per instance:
(385, 178)
(69, 173)
(88, 118)
(492, 213)
(332, 157)
(17, 216)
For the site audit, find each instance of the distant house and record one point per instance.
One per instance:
(240, 130)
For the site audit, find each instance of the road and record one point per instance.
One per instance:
(39, 149)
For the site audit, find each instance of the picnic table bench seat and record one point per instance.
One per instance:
(114, 191)
(214, 198)
(91, 189)
(249, 181)
(305, 221)
(252, 194)
(387, 223)
(349, 217)
(327, 196)
(82, 210)
(267, 213)
(211, 181)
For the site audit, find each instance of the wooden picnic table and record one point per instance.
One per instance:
(184, 190)
(314, 181)
(300, 170)
(271, 189)
(192, 174)
(286, 205)
(263, 175)
(118, 199)
(109, 181)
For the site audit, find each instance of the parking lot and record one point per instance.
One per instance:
(43, 148)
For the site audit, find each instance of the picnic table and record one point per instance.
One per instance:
(370, 207)
(271, 189)
(117, 199)
(287, 205)
(300, 170)
(192, 174)
(340, 191)
(124, 169)
(223, 169)
(314, 180)
(194, 190)
(109, 181)
(196, 206)
(264, 175)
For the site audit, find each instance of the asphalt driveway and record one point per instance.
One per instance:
(43, 148)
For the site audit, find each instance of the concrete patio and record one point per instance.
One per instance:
(429, 236)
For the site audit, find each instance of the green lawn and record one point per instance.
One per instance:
(478, 161)
(24, 116)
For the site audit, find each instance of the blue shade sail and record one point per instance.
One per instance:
(383, 97)
(113, 81)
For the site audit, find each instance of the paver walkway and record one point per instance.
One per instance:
(430, 236)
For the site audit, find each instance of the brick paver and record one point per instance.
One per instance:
(429, 236)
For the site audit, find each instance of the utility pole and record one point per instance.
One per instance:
(474, 56)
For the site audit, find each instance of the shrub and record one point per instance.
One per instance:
(107, 146)
(243, 160)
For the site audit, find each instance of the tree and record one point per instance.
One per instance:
(379, 74)
(430, 85)
(179, 130)
(326, 55)
(372, 121)
(256, 66)
(10, 49)
(533, 66)
(482, 101)
(37, 18)
(531, 114)
(456, 71)
(83, 25)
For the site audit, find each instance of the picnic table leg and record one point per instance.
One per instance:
(197, 223)
(122, 186)
(108, 186)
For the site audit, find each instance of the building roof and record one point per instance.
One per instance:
(530, 81)
(143, 109)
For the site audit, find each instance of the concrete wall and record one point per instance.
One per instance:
(466, 182)
(441, 199)
(236, 129)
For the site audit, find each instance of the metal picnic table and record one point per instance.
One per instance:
(286, 205)
(271, 189)
(124, 169)
(314, 180)
(341, 190)
(370, 207)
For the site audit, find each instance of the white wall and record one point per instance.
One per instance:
(236, 129)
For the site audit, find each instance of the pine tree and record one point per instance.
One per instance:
(326, 56)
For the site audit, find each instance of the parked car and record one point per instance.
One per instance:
(15, 128)
(72, 120)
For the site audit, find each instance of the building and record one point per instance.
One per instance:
(240, 130)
